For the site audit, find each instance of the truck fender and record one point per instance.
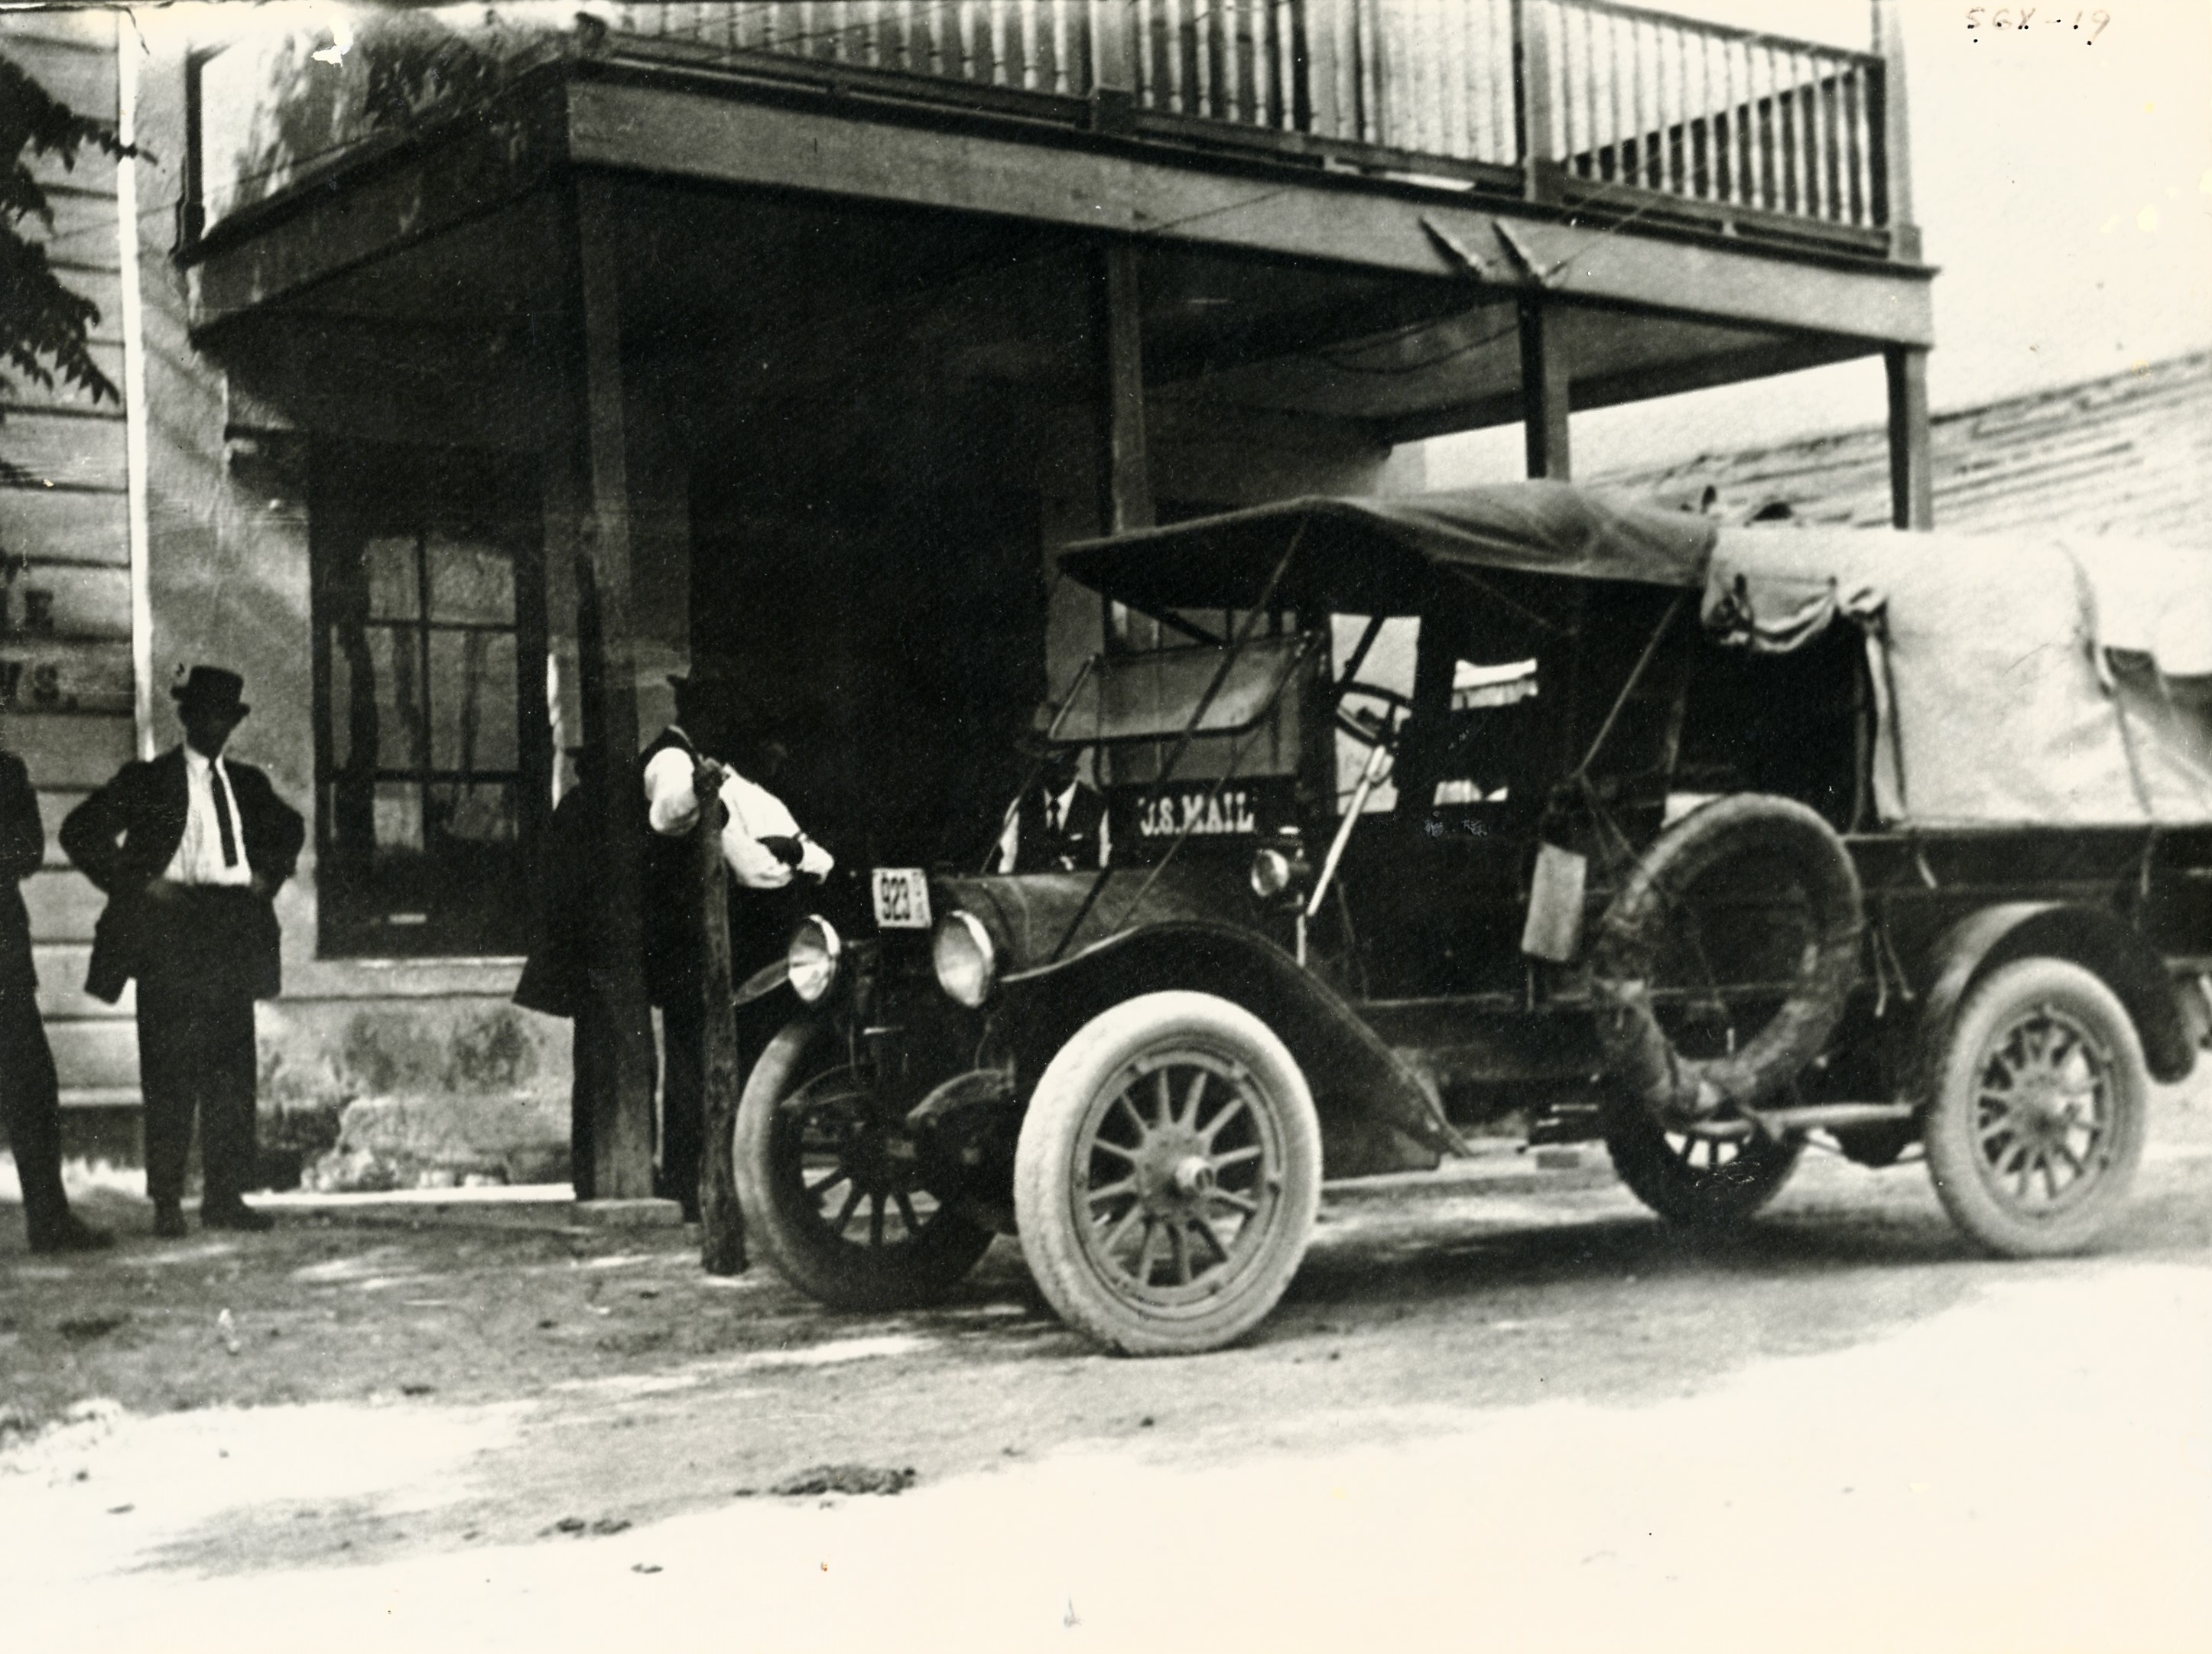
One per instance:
(2099, 941)
(1358, 1083)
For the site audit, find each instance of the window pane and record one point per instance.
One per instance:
(389, 566)
(481, 812)
(398, 820)
(375, 697)
(470, 582)
(472, 701)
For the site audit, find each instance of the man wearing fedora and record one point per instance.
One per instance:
(189, 848)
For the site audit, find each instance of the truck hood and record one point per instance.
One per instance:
(1029, 915)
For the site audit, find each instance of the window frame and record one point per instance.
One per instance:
(361, 491)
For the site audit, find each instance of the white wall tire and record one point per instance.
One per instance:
(2041, 1106)
(1168, 1175)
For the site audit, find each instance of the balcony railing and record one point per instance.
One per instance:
(1585, 103)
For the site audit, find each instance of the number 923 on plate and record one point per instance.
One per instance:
(902, 898)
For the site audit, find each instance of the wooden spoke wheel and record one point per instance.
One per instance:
(1168, 1175)
(2038, 1122)
(841, 1198)
(1697, 1182)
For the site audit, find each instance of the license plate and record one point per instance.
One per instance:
(902, 898)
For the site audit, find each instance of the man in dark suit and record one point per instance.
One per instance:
(30, 1095)
(190, 849)
(1059, 823)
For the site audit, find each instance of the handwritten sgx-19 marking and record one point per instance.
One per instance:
(2018, 20)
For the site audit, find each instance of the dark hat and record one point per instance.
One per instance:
(211, 688)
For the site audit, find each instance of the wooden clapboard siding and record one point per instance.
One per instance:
(61, 986)
(75, 751)
(2128, 454)
(101, 1055)
(63, 905)
(65, 450)
(42, 675)
(54, 528)
(88, 605)
(66, 688)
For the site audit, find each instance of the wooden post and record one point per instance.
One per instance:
(1125, 480)
(721, 1223)
(1532, 103)
(1543, 388)
(1911, 478)
(1114, 48)
(1893, 172)
(622, 1146)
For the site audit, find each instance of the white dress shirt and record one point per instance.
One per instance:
(199, 859)
(755, 813)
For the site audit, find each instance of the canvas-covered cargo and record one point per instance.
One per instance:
(2017, 682)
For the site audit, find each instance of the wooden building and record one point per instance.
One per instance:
(482, 374)
(2130, 454)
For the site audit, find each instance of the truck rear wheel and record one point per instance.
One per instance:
(1696, 1182)
(1168, 1175)
(2038, 1122)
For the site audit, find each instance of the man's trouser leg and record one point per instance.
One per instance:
(31, 1096)
(230, 1155)
(166, 1081)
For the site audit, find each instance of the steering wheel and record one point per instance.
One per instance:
(1375, 729)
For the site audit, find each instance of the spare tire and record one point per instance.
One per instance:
(1650, 917)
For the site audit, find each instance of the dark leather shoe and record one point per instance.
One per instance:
(169, 1220)
(235, 1214)
(71, 1234)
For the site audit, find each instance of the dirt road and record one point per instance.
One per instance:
(1505, 1407)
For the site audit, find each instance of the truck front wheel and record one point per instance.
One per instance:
(841, 1198)
(1168, 1175)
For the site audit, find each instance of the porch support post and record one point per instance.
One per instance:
(1543, 388)
(1911, 480)
(1124, 465)
(1125, 472)
(1893, 175)
(622, 1102)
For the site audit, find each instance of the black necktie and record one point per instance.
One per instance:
(222, 815)
(1052, 815)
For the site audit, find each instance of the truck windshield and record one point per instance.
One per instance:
(1151, 696)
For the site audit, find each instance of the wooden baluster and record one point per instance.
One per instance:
(1176, 99)
(1604, 156)
(1854, 123)
(1026, 33)
(1263, 61)
(1062, 82)
(1343, 71)
(1229, 79)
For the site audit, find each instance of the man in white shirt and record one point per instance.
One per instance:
(189, 848)
(766, 851)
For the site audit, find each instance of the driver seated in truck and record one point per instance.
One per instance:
(1058, 824)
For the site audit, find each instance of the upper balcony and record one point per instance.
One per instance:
(1604, 109)
(1340, 205)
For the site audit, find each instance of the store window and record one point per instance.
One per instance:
(431, 741)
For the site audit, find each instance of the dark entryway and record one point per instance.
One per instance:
(893, 641)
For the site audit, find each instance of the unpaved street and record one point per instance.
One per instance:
(1503, 1407)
